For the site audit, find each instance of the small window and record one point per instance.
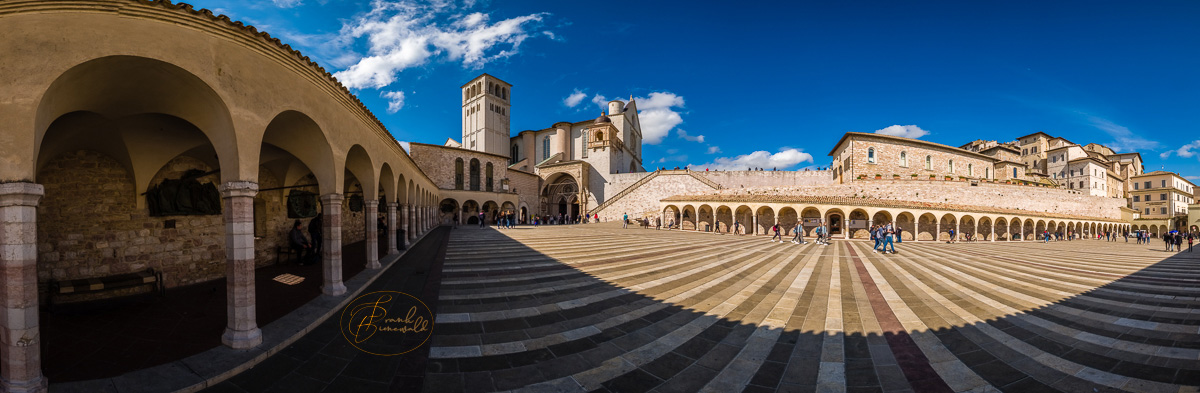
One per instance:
(871, 155)
(545, 147)
(1163, 210)
(1164, 183)
(904, 159)
(1014, 173)
(951, 166)
(928, 163)
(1162, 197)
(970, 170)
(1137, 198)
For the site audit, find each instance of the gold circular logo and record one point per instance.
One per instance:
(386, 323)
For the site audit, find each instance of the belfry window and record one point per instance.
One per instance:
(871, 155)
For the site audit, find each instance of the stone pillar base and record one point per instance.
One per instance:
(242, 339)
(20, 348)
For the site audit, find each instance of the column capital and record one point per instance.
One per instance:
(371, 202)
(21, 194)
(240, 188)
(334, 197)
(392, 205)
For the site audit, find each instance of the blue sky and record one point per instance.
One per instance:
(736, 84)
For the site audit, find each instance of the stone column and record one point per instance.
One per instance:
(331, 247)
(241, 329)
(754, 220)
(402, 218)
(392, 230)
(409, 229)
(937, 230)
(371, 213)
(21, 357)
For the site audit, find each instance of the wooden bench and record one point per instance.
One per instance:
(118, 281)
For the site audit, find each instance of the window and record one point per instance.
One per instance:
(1162, 210)
(904, 159)
(458, 174)
(1024, 152)
(1014, 173)
(987, 173)
(1035, 150)
(474, 174)
(488, 172)
(1164, 183)
(871, 155)
(1135, 185)
(1137, 198)
(1147, 210)
(970, 170)
(1080, 184)
(1162, 197)
(928, 163)
(951, 166)
(545, 147)
(513, 155)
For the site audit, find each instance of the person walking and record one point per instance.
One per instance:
(875, 237)
(798, 234)
(888, 234)
(951, 236)
(1191, 238)
(625, 221)
(1178, 239)
(775, 228)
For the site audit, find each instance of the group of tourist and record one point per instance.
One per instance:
(1174, 240)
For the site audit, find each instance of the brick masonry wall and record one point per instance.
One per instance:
(742, 179)
(438, 163)
(527, 186)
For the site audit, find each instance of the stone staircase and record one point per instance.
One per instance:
(647, 179)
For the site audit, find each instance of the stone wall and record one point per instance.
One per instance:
(888, 160)
(438, 163)
(89, 225)
(527, 186)
(1004, 196)
(643, 201)
(745, 179)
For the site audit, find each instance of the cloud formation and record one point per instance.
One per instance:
(1123, 138)
(395, 100)
(714, 149)
(909, 131)
(574, 99)
(782, 160)
(690, 138)
(1184, 151)
(287, 3)
(408, 33)
(659, 113)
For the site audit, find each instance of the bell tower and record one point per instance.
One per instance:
(485, 115)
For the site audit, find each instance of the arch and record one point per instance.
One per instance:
(459, 174)
(927, 227)
(688, 218)
(903, 159)
(945, 224)
(300, 136)
(724, 219)
(985, 229)
(474, 174)
(906, 223)
(870, 155)
(857, 225)
(672, 216)
(835, 220)
(116, 87)
(1014, 229)
(447, 209)
(928, 163)
(1038, 229)
(470, 212)
(744, 218)
(787, 221)
(358, 162)
(1028, 230)
(1000, 227)
(967, 225)
(950, 165)
(387, 184)
(811, 218)
(705, 218)
(766, 220)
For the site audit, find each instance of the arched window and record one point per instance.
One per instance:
(488, 172)
(951, 162)
(546, 147)
(599, 136)
(970, 170)
(904, 159)
(514, 155)
(474, 174)
(871, 155)
(928, 163)
(458, 174)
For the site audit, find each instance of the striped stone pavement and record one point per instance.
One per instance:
(600, 308)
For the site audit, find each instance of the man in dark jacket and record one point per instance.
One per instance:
(299, 244)
(315, 233)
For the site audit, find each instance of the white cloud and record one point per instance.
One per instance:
(1192, 177)
(574, 99)
(678, 158)
(690, 138)
(408, 33)
(287, 3)
(658, 113)
(784, 159)
(1184, 151)
(395, 100)
(714, 149)
(600, 100)
(909, 131)
(1123, 139)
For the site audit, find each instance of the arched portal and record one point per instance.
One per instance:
(906, 223)
(744, 219)
(787, 221)
(985, 229)
(946, 223)
(810, 218)
(766, 220)
(858, 225)
(835, 220)
(705, 217)
(927, 227)
(1001, 229)
(561, 194)
(687, 221)
(724, 219)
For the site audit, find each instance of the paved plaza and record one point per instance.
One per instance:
(600, 308)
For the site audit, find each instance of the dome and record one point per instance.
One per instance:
(602, 119)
